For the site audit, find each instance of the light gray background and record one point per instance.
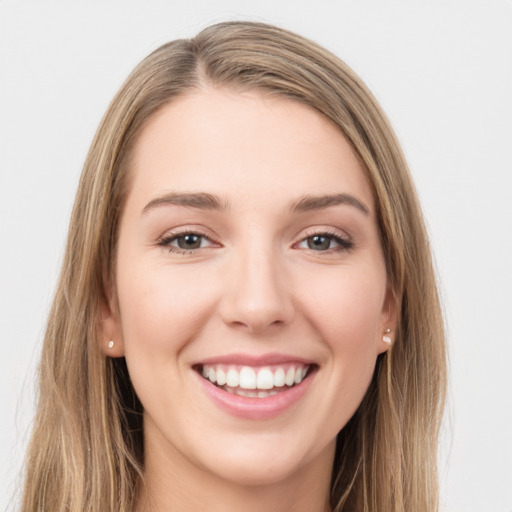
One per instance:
(443, 72)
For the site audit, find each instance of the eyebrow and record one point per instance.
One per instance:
(205, 201)
(200, 200)
(308, 203)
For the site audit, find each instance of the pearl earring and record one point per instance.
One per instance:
(111, 344)
(385, 338)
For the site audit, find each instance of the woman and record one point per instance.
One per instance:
(247, 315)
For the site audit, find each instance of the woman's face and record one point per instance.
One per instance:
(251, 285)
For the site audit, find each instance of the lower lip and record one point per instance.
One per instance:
(256, 408)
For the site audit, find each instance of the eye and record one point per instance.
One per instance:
(323, 242)
(185, 242)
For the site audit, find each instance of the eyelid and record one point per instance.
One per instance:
(325, 230)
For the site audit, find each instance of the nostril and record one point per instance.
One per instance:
(257, 325)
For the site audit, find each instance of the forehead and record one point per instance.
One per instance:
(246, 146)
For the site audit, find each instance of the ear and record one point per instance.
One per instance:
(388, 322)
(110, 336)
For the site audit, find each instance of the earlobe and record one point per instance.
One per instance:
(110, 337)
(389, 321)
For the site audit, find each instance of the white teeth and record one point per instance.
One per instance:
(265, 379)
(221, 377)
(290, 377)
(247, 378)
(232, 378)
(249, 393)
(279, 376)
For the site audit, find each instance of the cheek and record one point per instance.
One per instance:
(345, 311)
(161, 309)
(345, 306)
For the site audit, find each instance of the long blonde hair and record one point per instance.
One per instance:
(86, 451)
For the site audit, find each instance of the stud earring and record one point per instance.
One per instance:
(111, 344)
(385, 338)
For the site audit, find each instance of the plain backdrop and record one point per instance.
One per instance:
(442, 70)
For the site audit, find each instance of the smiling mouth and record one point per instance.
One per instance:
(255, 382)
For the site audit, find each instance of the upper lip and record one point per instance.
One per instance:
(253, 360)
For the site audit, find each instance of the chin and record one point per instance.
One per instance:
(266, 461)
(251, 473)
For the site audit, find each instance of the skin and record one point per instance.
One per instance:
(254, 287)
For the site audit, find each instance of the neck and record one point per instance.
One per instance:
(172, 482)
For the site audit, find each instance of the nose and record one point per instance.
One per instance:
(258, 296)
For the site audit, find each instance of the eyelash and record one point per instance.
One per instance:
(343, 243)
(167, 240)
